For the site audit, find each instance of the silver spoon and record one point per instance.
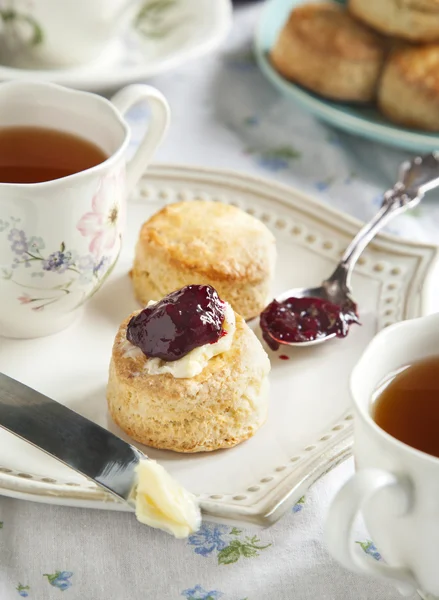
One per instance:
(416, 177)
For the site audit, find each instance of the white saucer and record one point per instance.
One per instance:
(157, 41)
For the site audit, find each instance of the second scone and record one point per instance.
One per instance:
(200, 242)
(324, 49)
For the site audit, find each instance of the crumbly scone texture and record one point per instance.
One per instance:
(412, 20)
(222, 406)
(409, 88)
(200, 242)
(327, 51)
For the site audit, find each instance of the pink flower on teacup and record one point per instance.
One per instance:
(24, 299)
(104, 223)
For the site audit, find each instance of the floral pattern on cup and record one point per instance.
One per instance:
(31, 253)
(85, 273)
(102, 225)
(20, 24)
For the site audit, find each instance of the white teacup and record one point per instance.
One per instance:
(58, 33)
(396, 488)
(60, 239)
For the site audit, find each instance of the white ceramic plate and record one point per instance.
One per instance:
(309, 427)
(162, 38)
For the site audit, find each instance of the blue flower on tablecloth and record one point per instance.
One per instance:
(60, 579)
(333, 139)
(251, 121)
(243, 60)
(369, 548)
(299, 505)
(23, 590)
(275, 159)
(377, 200)
(199, 593)
(324, 184)
(209, 538)
(350, 178)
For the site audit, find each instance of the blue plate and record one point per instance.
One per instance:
(366, 122)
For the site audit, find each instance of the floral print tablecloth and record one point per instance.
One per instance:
(224, 115)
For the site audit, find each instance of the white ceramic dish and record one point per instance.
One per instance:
(166, 35)
(309, 428)
(364, 121)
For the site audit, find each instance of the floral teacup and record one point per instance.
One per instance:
(60, 239)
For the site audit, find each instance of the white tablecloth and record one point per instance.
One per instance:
(224, 115)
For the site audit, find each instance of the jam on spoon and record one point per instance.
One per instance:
(297, 320)
(186, 319)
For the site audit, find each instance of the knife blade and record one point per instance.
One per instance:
(67, 436)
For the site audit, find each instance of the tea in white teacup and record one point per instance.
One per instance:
(407, 407)
(36, 154)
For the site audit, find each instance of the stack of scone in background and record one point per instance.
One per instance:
(383, 51)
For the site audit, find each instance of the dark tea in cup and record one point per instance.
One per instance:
(407, 407)
(36, 154)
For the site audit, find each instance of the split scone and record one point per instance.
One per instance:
(188, 374)
(413, 20)
(409, 88)
(328, 52)
(211, 243)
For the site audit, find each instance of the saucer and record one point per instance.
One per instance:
(362, 120)
(309, 427)
(162, 37)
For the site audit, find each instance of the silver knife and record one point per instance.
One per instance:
(67, 436)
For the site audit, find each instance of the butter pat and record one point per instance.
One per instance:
(162, 503)
(196, 360)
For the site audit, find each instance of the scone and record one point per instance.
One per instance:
(206, 242)
(324, 49)
(213, 396)
(409, 88)
(413, 20)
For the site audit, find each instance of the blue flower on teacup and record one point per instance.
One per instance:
(103, 224)
(60, 579)
(36, 244)
(17, 237)
(59, 261)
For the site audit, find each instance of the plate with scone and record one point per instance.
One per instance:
(169, 354)
(369, 68)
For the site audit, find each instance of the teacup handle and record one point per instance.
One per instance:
(341, 518)
(158, 124)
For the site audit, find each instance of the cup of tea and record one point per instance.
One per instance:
(395, 389)
(64, 180)
(54, 33)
